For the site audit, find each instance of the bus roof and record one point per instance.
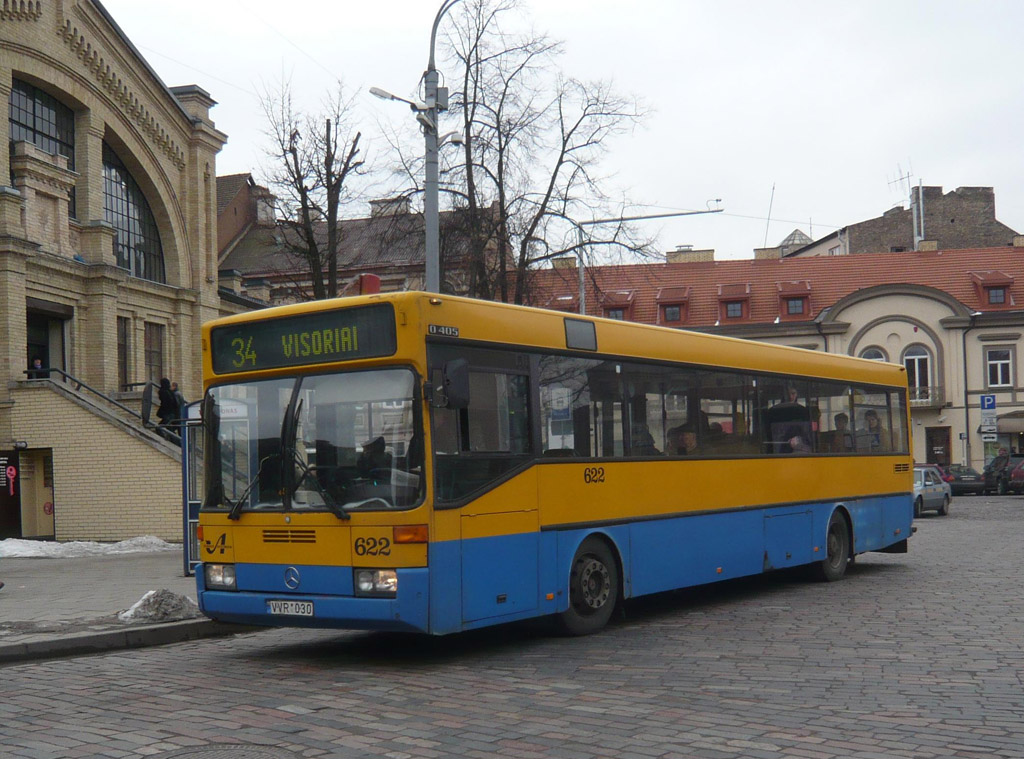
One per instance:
(481, 321)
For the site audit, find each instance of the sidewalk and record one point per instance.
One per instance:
(68, 606)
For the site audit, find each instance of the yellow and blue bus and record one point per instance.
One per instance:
(432, 463)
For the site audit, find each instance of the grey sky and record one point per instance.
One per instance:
(826, 101)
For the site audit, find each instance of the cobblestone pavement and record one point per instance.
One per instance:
(915, 655)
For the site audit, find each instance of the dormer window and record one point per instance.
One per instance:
(993, 288)
(734, 301)
(794, 299)
(618, 304)
(565, 303)
(672, 304)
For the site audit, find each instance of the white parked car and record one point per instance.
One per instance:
(931, 492)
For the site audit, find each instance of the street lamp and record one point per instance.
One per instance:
(435, 101)
(619, 220)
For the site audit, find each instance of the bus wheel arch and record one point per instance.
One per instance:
(594, 586)
(838, 547)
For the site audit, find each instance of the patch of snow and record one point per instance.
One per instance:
(161, 606)
(15, 548)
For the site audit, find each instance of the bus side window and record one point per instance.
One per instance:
(830, 406)
(479, 444)
(566, 426)
(725, 405)
(871, 409)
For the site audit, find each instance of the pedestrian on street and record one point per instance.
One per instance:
(179, 401)
(167, 411)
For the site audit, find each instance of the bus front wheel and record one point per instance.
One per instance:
(837, 550)
(593, 589)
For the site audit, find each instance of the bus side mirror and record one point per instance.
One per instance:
(451, 385)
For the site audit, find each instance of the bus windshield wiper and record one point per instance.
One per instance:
(308, 472)
(236, 507)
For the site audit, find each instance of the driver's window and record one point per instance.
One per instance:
(479, 444)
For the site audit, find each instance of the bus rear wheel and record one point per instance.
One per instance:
(593, 589)
(837, 550)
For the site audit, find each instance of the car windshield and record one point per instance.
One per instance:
(329, 442)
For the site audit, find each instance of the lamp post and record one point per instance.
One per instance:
(618, 220)
(435, 102)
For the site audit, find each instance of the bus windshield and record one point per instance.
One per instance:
(326, 442)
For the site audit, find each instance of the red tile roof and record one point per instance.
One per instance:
(824, 280)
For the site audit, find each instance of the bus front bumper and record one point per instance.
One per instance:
(407, 611)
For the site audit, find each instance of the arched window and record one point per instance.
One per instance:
(44, 121)
(918, 361)
(137, 246)
(874, 354)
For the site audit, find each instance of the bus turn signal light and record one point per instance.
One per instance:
(411, 533)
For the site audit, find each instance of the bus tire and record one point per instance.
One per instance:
(837, 550)
(593, 589)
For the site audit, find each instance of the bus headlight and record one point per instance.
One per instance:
(376, 582)
(219, 576)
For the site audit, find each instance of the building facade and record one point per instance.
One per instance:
(953, 318)
(108, 267)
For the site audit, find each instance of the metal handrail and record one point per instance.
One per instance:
(79, 386)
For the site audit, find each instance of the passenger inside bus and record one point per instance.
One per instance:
(682, 440)
(374, 457)
(839, 440)
(643, 441)
(873, 437)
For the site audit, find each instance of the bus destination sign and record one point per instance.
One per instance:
(323, 337)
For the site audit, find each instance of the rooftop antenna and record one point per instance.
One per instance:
(903, 180)
(769, 220)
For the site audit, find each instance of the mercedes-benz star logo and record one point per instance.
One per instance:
(292, 578)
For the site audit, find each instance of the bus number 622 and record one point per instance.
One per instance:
(373, 547)
(593, 475)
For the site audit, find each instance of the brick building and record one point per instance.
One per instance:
(108, 244)
(954, 318)
(962, 218)
(257, 254)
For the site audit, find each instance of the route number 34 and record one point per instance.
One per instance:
(243, 352)
(593, 475)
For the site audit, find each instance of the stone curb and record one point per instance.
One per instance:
(138, 636)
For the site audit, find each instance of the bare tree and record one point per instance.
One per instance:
(314, 156)
(532, 142)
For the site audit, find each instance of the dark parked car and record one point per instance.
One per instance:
(965, 480)
(997, 472)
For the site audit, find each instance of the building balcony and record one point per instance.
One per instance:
(930, 396)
